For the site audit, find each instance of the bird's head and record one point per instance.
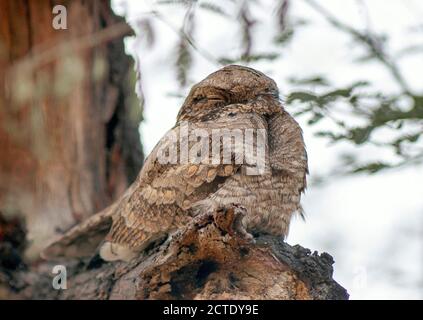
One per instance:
(228, 86)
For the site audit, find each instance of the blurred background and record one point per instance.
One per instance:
(350, 72)
(73, 133)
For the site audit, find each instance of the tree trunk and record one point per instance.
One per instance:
(68, 115)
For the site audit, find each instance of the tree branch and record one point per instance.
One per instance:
(369, 40)
(211, 258)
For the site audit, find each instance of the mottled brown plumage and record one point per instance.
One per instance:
(166, 196)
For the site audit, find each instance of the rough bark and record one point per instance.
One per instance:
(209, 259)
(68, 115)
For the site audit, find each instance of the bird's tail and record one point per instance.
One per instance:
(84, 239)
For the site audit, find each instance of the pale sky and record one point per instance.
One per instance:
(371, 225)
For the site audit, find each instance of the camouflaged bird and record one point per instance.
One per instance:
(166, 196)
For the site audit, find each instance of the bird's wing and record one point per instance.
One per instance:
(167, 190)
(168, 183)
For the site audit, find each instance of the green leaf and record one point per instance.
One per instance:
(345, 93)
(250, 58)
(328, 134)
(284, 37)
(360, 135)
(316, 80)
(302, 96)
(371, 167)
(316, 118)
(260, 56)
(183, 62)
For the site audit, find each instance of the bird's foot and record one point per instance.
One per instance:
(230, 219)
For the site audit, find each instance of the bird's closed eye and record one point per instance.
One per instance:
(214, 98)
(203, 99)
(198, 99)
